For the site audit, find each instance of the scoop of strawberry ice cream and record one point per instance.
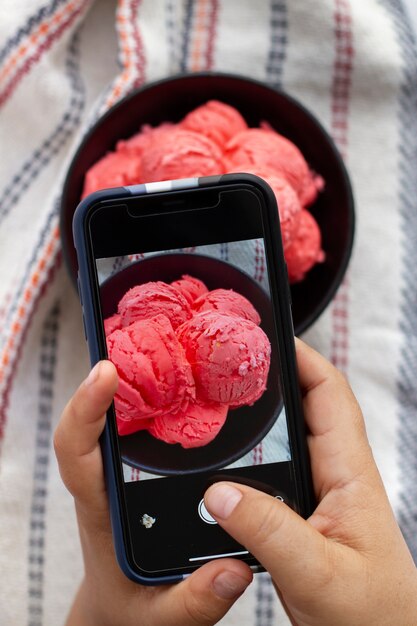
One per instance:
(287, 199)
(138, 144)
(154, 374)
(216, 120)
(230, 360)
(288, 205)
(193, 427)
(191, 288)
(113, 170)
(181, 154)
(304, 250)
(228, 302)
(152, 298)
(263, 147)
(112, 323)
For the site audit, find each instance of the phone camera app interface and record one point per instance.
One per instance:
(191, 333)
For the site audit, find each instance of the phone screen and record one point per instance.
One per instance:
(188, 317)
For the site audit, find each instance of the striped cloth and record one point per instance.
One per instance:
(62, 63)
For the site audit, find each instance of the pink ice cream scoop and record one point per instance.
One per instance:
(145, 301)
(304, 250)
(113, 170)
(154, 374)
(287, 199)
(138, 144)
(289, 206)
(181, 154)
(264, 148)
(191, 288)
(112, 323)
(228, 302)
(193, 427)
(230, 358)
(216, 120)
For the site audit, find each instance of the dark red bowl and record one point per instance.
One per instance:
(170, 100)
(246, 426)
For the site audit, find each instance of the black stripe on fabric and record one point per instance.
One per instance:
(224, 251)
(171, 27)
(186, 35)
(265, 599)
(406, 384)
(37, 521)
(25, 30)
(278, 42)
(40, 158)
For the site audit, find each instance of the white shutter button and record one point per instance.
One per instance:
(204, 514)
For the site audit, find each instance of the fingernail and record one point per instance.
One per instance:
(93, 375)
(229, 585)
(222, 499)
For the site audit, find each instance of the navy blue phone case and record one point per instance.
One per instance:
(86, 290)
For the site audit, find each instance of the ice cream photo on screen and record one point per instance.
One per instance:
(195, 357)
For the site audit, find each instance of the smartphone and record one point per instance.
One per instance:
(184, 287)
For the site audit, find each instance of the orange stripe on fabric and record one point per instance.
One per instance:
(42, 29)
(211, 34)
(200, 35)
(34, 279)
(126, 50)
(127, 45)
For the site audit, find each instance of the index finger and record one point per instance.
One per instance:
(338, 444)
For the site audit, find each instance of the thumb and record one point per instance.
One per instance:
(203, 598)
(294, 553)
(76, 443)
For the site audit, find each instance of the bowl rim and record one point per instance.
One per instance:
(338, 278)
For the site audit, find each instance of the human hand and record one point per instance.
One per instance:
(348, 564)
(106, 596)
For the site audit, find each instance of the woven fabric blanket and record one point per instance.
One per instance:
(353, 63)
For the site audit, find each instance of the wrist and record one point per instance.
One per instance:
(82, 612)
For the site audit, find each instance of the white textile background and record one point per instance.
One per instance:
(354, 64)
